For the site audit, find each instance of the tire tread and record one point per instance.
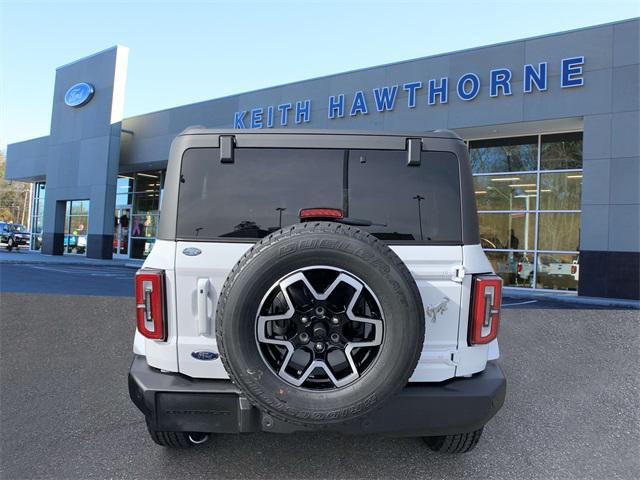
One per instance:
(301, 230)
(169, 439)
(460, 443)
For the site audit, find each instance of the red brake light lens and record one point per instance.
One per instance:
(485, 312)
(150, 311)
(574, 269)
(320, 213)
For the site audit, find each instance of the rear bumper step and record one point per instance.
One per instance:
(176, 403)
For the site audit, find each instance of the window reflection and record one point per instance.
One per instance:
(505, 192)
(504, 154)
(558, 271)
(546, 201)
(141, 191)
(147, 202)
(560, 191)
(76, 227)
(426, 209)
(515, 268)
(37, 215)
(144, 225)
(559, 231)
(507, 230)
(561, 151)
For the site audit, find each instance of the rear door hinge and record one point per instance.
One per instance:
(458, 274)
(227, 147)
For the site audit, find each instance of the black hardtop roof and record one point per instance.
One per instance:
(199, 130)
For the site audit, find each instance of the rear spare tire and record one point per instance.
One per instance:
(320, 323)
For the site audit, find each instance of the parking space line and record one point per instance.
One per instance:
(519, 303)
(80, 271)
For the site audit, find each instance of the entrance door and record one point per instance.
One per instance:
(121, 232)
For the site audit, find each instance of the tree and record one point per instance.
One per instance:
(14, 197)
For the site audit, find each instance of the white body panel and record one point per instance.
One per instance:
(442, 274)
(213, 264)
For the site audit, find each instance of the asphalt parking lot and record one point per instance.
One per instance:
(67, 279)
(571, 410)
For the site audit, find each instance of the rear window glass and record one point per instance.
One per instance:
(264, 190)
(417, 203)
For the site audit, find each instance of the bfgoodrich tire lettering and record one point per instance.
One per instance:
(343, 248)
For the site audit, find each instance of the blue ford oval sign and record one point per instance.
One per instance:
(79, 94)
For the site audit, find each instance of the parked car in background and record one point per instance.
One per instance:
(13, 235)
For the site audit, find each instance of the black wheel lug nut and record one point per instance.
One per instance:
(304, 337)
(335, 338)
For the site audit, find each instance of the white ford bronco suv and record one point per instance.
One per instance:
(317, 280)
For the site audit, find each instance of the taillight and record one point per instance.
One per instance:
(574, 269)
(150, 311)
(485, 313)
(320, 213)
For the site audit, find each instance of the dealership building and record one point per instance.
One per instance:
(551, 123)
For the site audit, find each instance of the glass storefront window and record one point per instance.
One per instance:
(78, 207)
(38, 206)
(141, 247)
(144, 225)
(561, 151)
(36, 224)
(124, 184)
(76, 226)
(147, 181)
(123, 190)
(560, 191)
(559, 231)
(139, 193)
(123, 199)
(559, 271)
(514, 231)
(37, 214)
(504, 154)
(147, 202)
(505, 192)
(515, 268)
(529, 198)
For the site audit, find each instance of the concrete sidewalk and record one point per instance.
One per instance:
(27, 256)
(569, 297)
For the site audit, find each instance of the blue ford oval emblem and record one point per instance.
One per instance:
(204, 355)
(191, 251)
(79, 94)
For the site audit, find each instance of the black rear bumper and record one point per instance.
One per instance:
(174, 402)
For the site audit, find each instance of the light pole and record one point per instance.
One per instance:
(280, 210)
(419, 198)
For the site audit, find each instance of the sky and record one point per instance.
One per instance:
(188, 51)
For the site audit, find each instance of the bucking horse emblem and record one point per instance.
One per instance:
(433, 311)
